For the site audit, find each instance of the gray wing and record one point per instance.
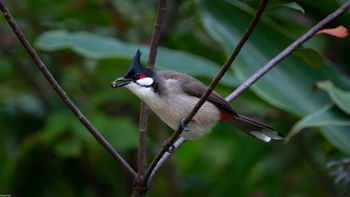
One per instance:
(196, 88)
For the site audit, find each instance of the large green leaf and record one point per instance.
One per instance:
(69, 147)
(288, 86)
(290, 5)
(120, 132)
(310, 56)
(340, 97)
(326, 116)
(97, 47)
(331, 118)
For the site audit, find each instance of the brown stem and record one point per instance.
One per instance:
(170, 170)
(165, 157)
(283, 54)
(156, 33)
(211, 87)
(140, 187)
(142, 154)
(41, 66)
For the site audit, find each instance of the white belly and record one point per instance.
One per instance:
(176, 107)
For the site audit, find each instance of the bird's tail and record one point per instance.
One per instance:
(255, 129)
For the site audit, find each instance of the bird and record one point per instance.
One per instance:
(171, 96)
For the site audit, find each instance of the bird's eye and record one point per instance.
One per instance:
(140, 76)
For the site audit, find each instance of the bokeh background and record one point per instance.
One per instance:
(45, 151)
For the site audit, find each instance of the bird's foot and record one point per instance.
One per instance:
(168, 146)
(184, 126)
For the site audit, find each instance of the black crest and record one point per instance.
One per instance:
(136, 61)
(136, 70)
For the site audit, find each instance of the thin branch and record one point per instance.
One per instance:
(142, 151)
(156, 33)
(41, 66)
(140, 187)
(211, 87)
(165, 157)
(283, 54)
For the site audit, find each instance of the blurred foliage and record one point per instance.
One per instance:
(45, 151)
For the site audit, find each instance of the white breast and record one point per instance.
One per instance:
(175, 105)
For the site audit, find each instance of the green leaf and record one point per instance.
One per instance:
(340, 97)
(310, 56)
(121, 133)
(339, 136)
(69, 147)
(57, 124)
(289, 85)
(326, 116)
(295, 6)
(97, 47)
(291, 5)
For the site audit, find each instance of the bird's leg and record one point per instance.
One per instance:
(168, 146)
(184, 126)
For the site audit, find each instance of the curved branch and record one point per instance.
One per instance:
(165, 157)
(211, 87)
(283, 54)
(69, 103)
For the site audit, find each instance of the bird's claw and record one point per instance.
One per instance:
(184, 126)
(168, 146)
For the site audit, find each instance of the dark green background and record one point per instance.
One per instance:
(45, 151)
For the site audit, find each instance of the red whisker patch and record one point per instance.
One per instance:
(142, 76)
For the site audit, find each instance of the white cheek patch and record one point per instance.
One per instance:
(147, 81)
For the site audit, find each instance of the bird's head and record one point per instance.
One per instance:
(136, 74)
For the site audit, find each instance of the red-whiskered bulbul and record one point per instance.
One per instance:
(172, 95)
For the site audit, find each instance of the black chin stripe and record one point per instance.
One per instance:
(154, 86)
(146, 86)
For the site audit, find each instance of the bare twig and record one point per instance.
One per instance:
(283, 54)
(165, 157)
(41, 66)
(211, 87)
(142, 151)
(140, 188)
(156, 33)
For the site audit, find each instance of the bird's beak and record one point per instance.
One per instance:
(119, 82)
